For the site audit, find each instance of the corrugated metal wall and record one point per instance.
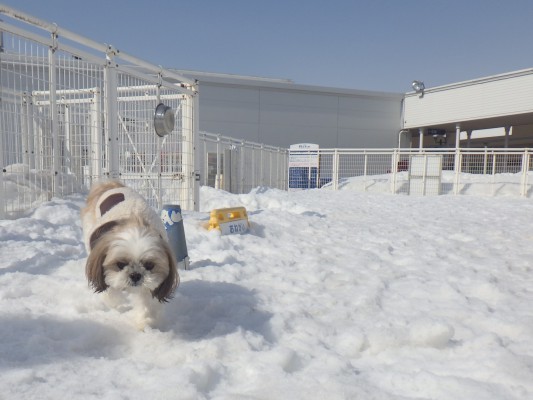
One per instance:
(283, 114)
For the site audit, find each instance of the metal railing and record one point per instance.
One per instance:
(483, 171)
(74, 111)
(238, 166)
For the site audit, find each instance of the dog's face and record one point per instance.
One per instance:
(129, 254)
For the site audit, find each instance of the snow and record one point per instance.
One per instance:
(331, 295)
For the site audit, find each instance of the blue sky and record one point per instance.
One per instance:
(361, 44)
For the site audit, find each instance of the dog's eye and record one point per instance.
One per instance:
(121, 265)
(148, 265)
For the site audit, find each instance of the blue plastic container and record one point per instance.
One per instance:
(171, 217)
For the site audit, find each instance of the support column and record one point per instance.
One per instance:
(507, 133)
(421, 139)
(457, 136)
(468, 138)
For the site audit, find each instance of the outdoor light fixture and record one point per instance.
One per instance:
(418, 87)
(163, 120)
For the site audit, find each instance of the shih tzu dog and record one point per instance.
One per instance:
(128, 251)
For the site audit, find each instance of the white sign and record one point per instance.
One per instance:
(235, 226)
(303, 155)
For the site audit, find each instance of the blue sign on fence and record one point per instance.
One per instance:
(303, 166)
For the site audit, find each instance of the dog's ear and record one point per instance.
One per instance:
(101, 231)
(94, 269)
(164, 292)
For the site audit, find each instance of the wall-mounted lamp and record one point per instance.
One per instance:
(419, 87)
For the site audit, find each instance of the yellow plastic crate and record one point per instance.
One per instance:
(229, 220)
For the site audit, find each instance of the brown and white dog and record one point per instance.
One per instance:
(129, 254)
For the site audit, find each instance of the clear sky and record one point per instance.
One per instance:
(378, 45)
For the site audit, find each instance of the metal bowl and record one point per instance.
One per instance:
(163, 120)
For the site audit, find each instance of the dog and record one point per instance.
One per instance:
(128, 251)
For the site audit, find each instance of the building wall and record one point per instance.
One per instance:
(281, 113)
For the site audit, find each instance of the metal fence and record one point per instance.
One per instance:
(73, 111)
(484, 171)
(238, 166)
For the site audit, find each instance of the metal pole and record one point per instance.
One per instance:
(24, 127)
(206, 161)
(195, 149)
(336, 170)
(217, 180)
(525, 168)
(2, 165)
(94, 148)
(506, 146)
(261, 173)
(56, 154)
(110, 104)
(252, 149)
(394, 169)
(31, 132)
(457, 163)
(485, 159)
(493, 171)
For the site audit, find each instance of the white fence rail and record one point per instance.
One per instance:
(484, 171)
(238, 166)
(73, 111)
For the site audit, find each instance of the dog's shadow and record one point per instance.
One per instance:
(203, 310)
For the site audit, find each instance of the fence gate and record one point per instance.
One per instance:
(74, 111)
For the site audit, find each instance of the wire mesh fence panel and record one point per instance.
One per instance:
(491, 172)
(25, 144)
(155, 166)
(239, 166)
(74, 111)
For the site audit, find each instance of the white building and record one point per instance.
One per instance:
(502, 101)
(279, 112)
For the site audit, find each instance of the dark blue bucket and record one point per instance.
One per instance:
(171, 217)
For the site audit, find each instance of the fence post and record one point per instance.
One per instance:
(205, 157)
(365, 169)
(485, 159)
(95, 152)
(217, 179)
(2, 171)
(252, 150)
(111, 101)
(261, 173)
(271, 172)
(241, 172)
(336, 170)
(493, 172)
(394, 168)
(278, 169)
(457, 167)
(56, 153)
(525, 169)
(195, 104)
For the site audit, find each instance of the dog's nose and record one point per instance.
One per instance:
(135, 277)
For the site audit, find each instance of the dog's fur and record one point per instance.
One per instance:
(129, 254)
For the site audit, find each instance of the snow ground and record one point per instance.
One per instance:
(337, 295)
